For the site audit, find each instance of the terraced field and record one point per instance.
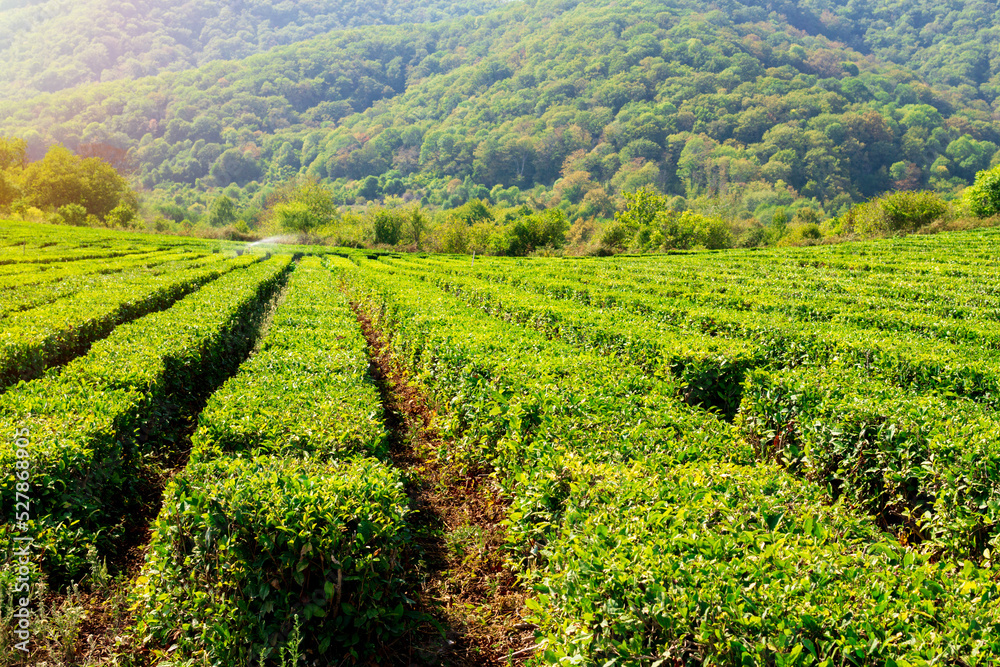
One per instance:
(785, 457)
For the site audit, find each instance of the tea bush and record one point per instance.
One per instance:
(719, 564)
(244, 544)
(926, 463)
(56, 332)
(307, 389)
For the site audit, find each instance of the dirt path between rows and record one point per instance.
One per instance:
(91, 624)
(459, 574)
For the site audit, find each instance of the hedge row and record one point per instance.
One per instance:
(921, 463)
(36, 339)
(68, 285)
(670, 551)
(89, 424)
(19, 276)
(928, 464)
(776, 283)
(306, 389)
(245, 544)
(784, 284)
(645, 327)
(499, 386)
(32, 243)
(16, 256)
(282, 510)
(717, 564)
(709, 369)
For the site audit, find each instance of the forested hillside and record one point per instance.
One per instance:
(49, 45)
(949, 42)
(741, 110)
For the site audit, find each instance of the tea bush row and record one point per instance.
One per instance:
(89, 424)
(35, 339)
(723, 344)
(934, 489)
(32, 295)
(927, 464)
(19, 276)
(284, 510)
(643, 545)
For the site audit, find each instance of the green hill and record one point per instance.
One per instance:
(740, 109)
(50, 45)
(950, 43)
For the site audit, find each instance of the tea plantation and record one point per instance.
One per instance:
(776, 457)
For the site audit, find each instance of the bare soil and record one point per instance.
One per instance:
(460, 576)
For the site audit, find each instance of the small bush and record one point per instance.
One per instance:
(800, 234)
(74, 214)
(757, 236)
(908, 211)
(615, 237)
(686, 229)
(904, 211)
(121, 217)
(713, 233)
(983, 196)
(388, 226)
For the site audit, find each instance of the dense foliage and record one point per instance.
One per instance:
(983, 198)
(296, 425)
(311, 345)
(79, 189)
(49, 45)
(895, 212)
(951, 43)
(53, 325)
(246, 544)
(653, 531)
(90, 423)
(742, 114)
(785, 456)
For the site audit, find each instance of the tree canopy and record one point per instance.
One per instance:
(51, 45)
(62, 181)
(743, 110)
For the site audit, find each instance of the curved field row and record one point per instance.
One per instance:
(89, 423)
(88, 267)
(640, 553)
(791, 278)
(738, 341)
(284, 508)
(838, 504)
(53, 333)
(43, 256)
(889, 456)
(740, 301)
(26, 297)
(32, 243)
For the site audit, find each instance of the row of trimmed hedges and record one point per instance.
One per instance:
(88, 423)
(926, 463)
(650, 531)
(283, 511)
(53, 333)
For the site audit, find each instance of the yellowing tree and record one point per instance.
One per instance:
(13, 154)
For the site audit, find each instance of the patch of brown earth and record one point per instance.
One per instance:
(461, 577)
